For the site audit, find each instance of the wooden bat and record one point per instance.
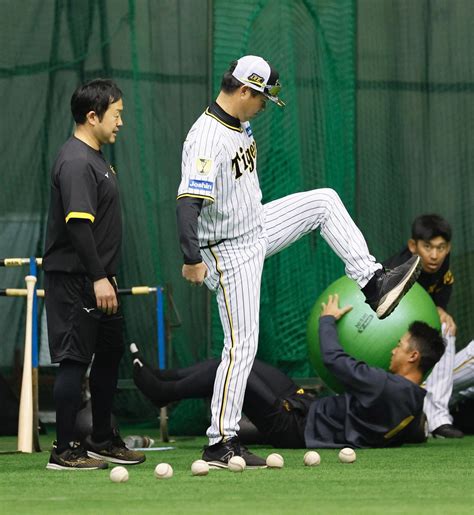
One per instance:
(25, 418)
(19, 261)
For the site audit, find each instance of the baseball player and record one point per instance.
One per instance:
(226, 234)
(379, 408)
(83, 240)
(431, 240)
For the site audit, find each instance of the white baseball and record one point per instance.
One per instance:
(200, 468)
(311, 459)
(237, 464)
(119, 475)
(275, 461)
(163, 471)
(347, 455)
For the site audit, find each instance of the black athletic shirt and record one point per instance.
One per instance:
(439, 285)
(376, 409)
(83, 187)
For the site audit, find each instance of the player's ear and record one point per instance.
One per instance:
(412, 245)
(92, 117)
(414, 357)
(244, 91)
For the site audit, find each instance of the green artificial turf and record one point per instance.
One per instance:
(433, 478)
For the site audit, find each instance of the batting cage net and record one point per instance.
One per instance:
(379, 101)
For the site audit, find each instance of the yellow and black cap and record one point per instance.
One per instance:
(255, 72)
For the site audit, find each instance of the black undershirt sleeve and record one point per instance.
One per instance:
(187, 213)
(82, 239)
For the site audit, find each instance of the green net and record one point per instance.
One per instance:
(379, 107)
(415, 124)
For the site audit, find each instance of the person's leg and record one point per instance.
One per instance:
(103, 384)
(463, 373)
(67, 398)
(289, 218)
(439, 386)
(105, 442)
(281, 425)
(196, 384)
(279, 382)
(238, 267)
(104, 374)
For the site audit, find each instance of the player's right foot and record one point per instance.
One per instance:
(74, 458)
(386, 289)
(219, 454)
(113, 450)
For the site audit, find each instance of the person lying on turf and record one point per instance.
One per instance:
(378, 408)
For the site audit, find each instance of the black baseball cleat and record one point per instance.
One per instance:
(113, 450)
(447, 431)
(74, 458)
(219, 454)
(386, 288)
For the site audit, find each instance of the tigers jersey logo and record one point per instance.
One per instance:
(244, 160)
(203, 166)
(448, 278)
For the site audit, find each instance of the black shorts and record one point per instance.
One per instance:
(76, 327)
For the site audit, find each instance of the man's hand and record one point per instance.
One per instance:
(447, 319)
(332, 307)
(105, 296)
(195, 274)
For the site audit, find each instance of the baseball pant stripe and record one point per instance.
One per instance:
(232, 357)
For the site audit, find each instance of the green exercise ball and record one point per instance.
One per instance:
(361, 333)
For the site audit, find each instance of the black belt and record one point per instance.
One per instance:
(213, 244)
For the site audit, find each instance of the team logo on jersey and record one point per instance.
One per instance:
(256, 79)
(245, 160)
(448, 277)
(248, 130)
(200, 185)
(203, 166)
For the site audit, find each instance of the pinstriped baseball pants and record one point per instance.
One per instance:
(452, 379)
(235, 271)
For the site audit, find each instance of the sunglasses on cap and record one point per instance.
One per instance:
(272, 91)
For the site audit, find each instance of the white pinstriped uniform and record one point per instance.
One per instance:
(451, 379)
(219, 165)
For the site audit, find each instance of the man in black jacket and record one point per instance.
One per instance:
(378, 409)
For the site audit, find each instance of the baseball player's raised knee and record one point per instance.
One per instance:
(326, 198)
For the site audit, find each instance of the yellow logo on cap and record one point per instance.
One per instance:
(203, 166)
(256, 79)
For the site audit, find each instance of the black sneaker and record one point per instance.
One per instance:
(386, 289)
(447, 431)
(219, 454)
(74, 458)
(113, 450)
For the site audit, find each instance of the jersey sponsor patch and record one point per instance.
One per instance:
(200, 185)
(203, 165)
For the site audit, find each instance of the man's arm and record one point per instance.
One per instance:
(187, 213)
(356, 376)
